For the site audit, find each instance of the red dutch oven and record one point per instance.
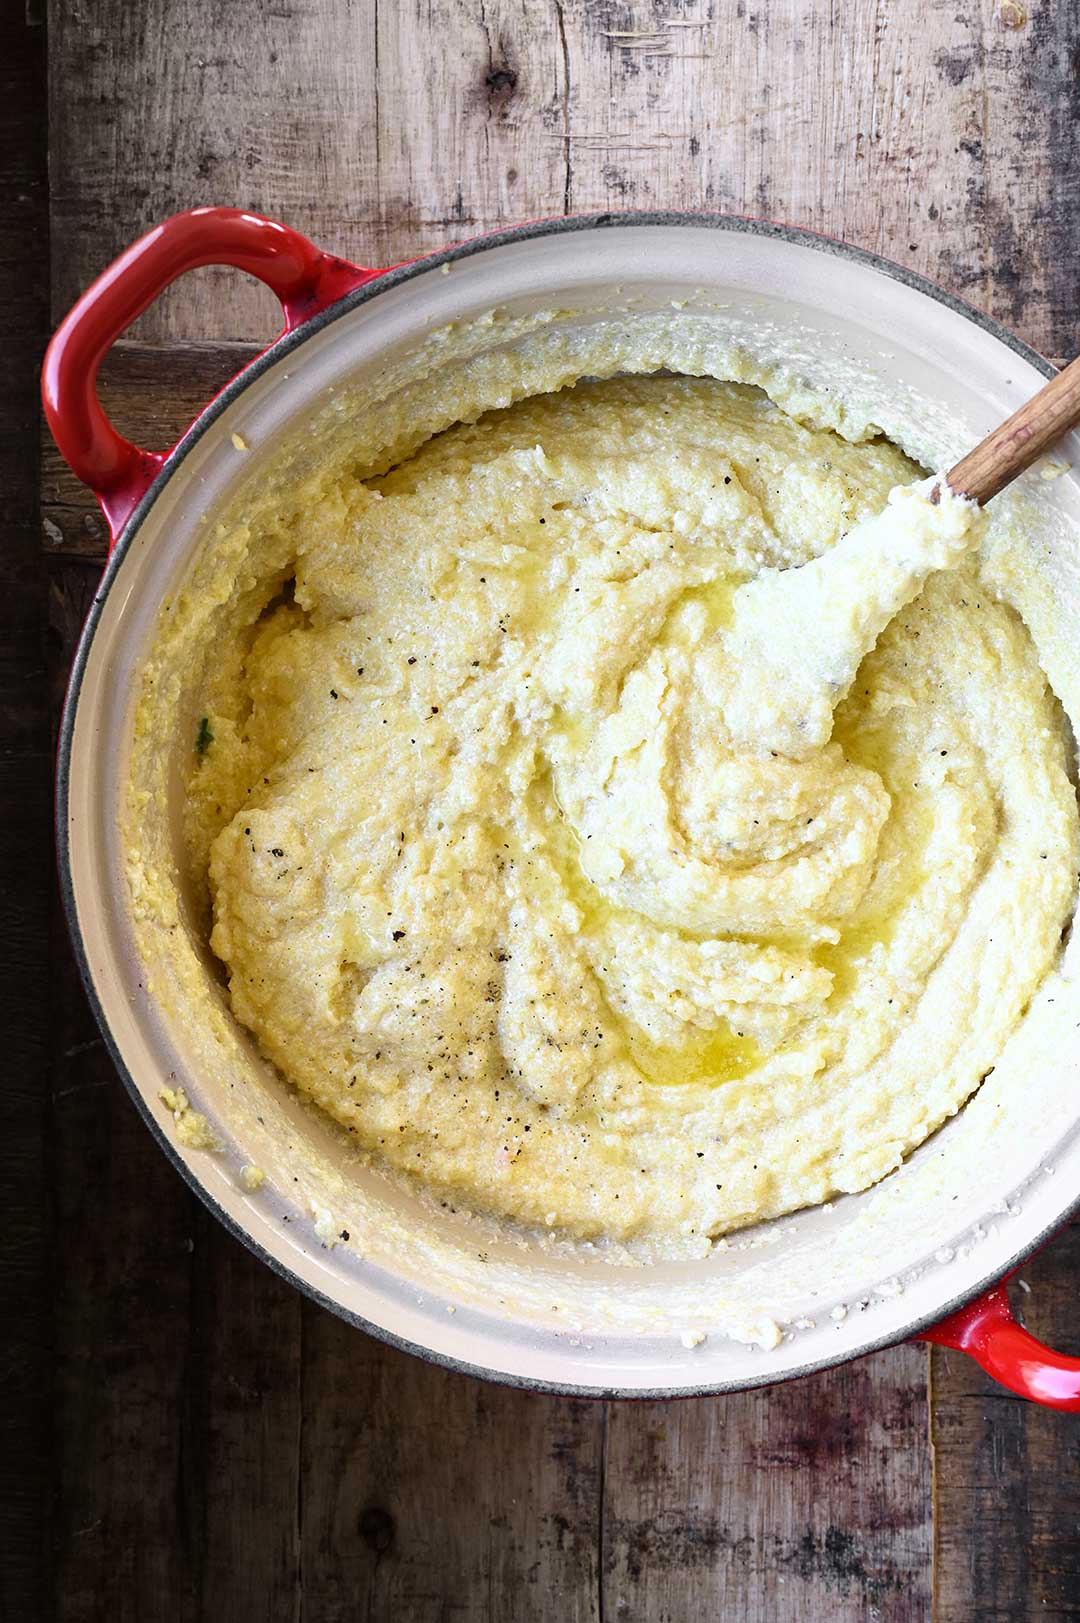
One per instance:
(927, 1258)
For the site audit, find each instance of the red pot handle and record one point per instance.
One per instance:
(304, 278)
(987, 1331)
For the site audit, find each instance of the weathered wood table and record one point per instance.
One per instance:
(198, 1441)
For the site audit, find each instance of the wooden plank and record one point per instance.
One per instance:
(25, 860)
(1007, 1479)
(122, 1272)
(279, 109)
(811, 1500)
(907, 131)
(428, 1495)
(263, 107)
(121, 1280)
(177, 1403)
(244, 1419)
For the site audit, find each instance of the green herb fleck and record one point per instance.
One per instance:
(204, 737)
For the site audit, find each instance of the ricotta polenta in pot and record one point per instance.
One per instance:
(612, 830)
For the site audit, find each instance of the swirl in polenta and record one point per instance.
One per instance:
(624, 817)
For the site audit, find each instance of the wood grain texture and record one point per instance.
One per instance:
(384, 131)
(122, 1276)
(429, 1495)
(1016, 444)
(224, 1450)
(25, 860)
(1007, 1472)
(811, 1500)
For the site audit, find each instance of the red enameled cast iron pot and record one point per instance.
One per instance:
(318, 291)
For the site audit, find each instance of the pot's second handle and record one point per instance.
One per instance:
(988, 1332)
(304, 278)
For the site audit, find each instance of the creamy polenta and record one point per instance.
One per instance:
(613, 825)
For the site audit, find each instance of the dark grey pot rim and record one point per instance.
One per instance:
(174, 461)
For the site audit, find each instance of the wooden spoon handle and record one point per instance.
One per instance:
(1010, 449)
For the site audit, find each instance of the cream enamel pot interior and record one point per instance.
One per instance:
(795, 1295)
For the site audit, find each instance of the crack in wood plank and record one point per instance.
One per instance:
(565, 49)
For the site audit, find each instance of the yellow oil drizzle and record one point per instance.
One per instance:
(716, 598)
(846, 956)
(719, 1055)
(724, 1054)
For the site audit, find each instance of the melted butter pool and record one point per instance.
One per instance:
(713, 1057)
(721, 1055)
